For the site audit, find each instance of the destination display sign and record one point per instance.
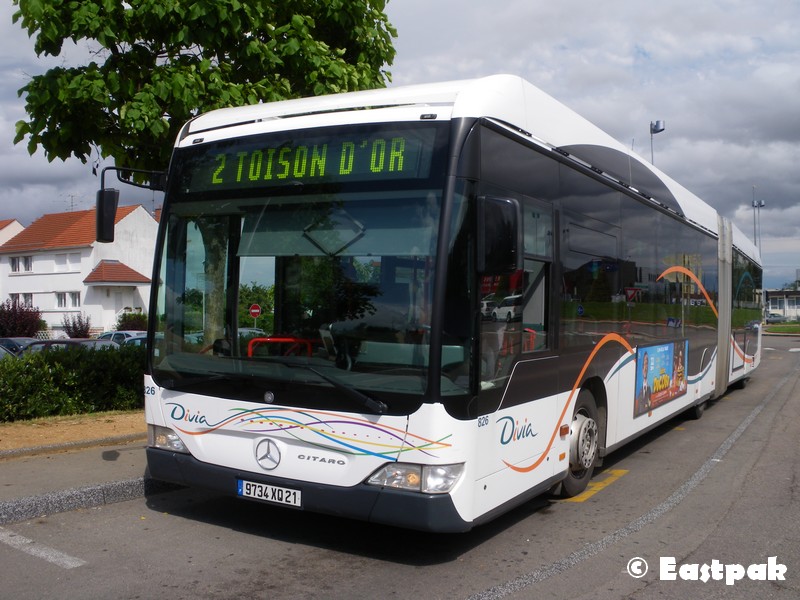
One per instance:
(277, 160)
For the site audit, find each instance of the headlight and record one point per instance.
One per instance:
(428, 479)
(165, 439)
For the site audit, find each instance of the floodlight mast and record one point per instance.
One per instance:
(655, 127)
(757, 206)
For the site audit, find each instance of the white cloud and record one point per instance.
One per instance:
(725, 76)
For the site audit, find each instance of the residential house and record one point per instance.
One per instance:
(8, 229)
(57, 266)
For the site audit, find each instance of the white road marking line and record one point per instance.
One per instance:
(20, 542)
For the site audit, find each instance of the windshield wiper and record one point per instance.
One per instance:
(376, 406)
(173, 384)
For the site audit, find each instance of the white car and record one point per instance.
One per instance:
(118, 336)
(510, 309)
(487, 306)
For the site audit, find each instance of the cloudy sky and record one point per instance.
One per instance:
(724, 75)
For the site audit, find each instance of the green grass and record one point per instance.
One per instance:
(786, 328)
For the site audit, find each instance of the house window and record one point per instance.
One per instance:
(21, 263)
(61, 299)
(68, 262)
(14, 298)
(27, 300)
(75, 299)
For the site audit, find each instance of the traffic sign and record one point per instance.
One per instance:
(255, 311)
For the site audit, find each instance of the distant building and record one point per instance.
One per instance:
(783, 302)
(56, 265)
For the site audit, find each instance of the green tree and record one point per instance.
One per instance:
(77, 326)
(157, 63)
(18, 320)
(130, 321)
(264, 296)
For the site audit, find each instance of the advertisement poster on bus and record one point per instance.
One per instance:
(660, 375)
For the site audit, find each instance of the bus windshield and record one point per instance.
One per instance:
(315, 294)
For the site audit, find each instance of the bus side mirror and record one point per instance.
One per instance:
(499, 236)
(107, 201)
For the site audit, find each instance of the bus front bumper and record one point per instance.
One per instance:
(423, 512)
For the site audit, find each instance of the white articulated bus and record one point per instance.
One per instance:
(317, 339)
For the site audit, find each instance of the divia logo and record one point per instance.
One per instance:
(179, 413)
(514, 431)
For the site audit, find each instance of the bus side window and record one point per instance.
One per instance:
(538, 240)
(534, 309)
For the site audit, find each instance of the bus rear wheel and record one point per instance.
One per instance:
(584, 443)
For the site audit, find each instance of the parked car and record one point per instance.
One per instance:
(487, 306)
(775, 318)
(47, 345)
(6, 353)
(248, 332)
(118, 336)
(135, 340)
(509, 309)
(16, 344)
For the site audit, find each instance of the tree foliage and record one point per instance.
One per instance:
(130, 321)
(264, 296)
(77, 326)
(157, 63)
(18, 320)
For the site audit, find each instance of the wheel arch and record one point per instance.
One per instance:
(597, 388)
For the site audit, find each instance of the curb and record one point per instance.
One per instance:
(90, 496)
(31, 507)
(109, 441)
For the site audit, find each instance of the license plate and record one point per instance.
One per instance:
(269, 493)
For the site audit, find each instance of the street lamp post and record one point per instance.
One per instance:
(655, 127)
(757, 206)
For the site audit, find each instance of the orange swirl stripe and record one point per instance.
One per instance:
(687, 272)
(694, 278)
(609, 337)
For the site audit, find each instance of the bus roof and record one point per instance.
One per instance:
(506, 99)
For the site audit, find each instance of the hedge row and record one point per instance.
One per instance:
(74, 381)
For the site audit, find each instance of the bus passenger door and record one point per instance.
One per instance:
(519, 377)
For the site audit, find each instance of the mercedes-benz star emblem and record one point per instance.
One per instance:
(268, 454)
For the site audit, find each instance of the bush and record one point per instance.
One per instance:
(132, 322)
(73, 381)
(17, 320)
(77, 326)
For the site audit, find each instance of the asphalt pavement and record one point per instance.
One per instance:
(53, 479)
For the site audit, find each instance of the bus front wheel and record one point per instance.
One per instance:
(584, 439)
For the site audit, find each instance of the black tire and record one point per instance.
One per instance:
(697, 410)
(584, 445)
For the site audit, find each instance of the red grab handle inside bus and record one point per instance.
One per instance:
(297, 344)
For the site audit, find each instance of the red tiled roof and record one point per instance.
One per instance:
(60, 230)
(113, 271)
(5, 223)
